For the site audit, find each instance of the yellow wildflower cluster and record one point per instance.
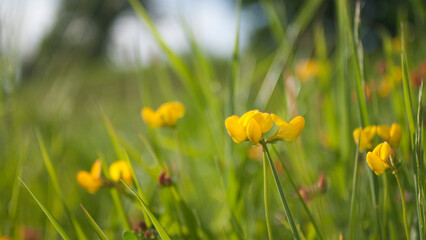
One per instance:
(253, 124)
(92, 181)
(392, 134)
(166, 115)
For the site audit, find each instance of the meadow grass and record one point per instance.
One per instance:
(190, 180)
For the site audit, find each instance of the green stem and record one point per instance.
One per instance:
(283, 199)
(404, 208)
(293, 184)
(354, 184)
(385, 207)
(265, 195)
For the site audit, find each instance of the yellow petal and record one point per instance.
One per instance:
(264, 120)
(383, 131)
(279, 121)
(356, 133)
(385, 151)
(151, 117)
(245, 118)
(370, 132)
(87, 181)
(395, 135)
(170, 112)
(294, 129)
(375, 163)
(121, 170)
(235, 130)
(96, 169)
(254, 132)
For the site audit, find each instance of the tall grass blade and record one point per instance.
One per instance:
(296, 190)
(163, 234)
(94, 225)
(283, 199)
(52, 219)
(53, 176)
(283, 52)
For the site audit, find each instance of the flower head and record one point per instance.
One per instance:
(166, 115)
(288, 131)
(378, 160)
(392, 134)
(250, 126)
(91, 181)
(121, 170)
(365, 135)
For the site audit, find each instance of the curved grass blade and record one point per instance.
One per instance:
(126, 158)
(283, 52)
(94, 224)
(53, 176)
(116, 199)
(49, 215)
(163, 234)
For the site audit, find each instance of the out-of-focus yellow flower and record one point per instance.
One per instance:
(385, 87)
(307, 69)
(397, 44)
(392, 134)
(397, 74)
(5, 238)
(166, 115)
(288, 131)
(121, 170)
(91, 181)
(250, 126)
(378, 160)
(367, 134)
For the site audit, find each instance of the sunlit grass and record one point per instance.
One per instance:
(186, 177)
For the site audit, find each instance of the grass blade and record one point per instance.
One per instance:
(283, 199)
(293, 184)
(53, 176)
(94, 225)
(52, 219)
(283, 52)
(163, 234)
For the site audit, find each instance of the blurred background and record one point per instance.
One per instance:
(66, 63)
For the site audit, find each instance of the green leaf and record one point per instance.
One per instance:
(52, 219)
(163, 234)
(94, 224)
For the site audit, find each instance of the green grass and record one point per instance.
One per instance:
(56, 123)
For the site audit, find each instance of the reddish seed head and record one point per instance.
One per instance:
(146, 234)
(142, 225)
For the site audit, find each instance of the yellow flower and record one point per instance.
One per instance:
(392, 134)
(91, 181)
(378, 160)
(307, 69)
(121, 170)
(288, 131)
(166, 115)
(367, 134)
(250, 126)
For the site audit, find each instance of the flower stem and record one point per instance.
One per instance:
(300, 196)
(265, 195)
(404, 208)
(287, 211)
